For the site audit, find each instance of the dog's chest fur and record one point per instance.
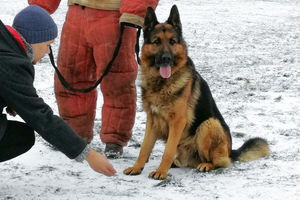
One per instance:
(160, 97)
(159, 94)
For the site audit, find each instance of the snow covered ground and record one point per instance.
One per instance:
(249, 53)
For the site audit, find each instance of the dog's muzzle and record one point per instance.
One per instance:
(164, 62)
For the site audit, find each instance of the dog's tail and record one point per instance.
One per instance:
(252, 149)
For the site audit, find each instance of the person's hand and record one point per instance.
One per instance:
(128, 24)
(11, 112)
(99, 163)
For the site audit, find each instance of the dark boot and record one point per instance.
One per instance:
(113, 150)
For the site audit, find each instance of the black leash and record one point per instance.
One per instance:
(86, 90)
(137, 45)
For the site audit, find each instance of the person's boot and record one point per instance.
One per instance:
(113, 150)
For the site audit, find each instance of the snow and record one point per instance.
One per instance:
(249, 53)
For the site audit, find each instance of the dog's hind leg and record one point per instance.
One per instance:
(213, 145)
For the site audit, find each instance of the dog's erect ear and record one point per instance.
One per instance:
(150, 19)
(174, 18)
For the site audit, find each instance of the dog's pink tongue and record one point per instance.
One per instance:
(165, 71)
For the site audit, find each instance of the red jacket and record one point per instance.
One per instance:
(132, 11)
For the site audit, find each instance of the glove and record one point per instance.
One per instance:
(130, 25)
(131, 20)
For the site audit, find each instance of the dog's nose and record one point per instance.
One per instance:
(166, 58)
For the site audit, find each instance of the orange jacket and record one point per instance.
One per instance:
(132, 11)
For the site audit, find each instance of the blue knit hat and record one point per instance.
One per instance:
(35, 25)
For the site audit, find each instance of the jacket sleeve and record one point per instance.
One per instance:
(49, 5)
(18, 92)
(134, 11)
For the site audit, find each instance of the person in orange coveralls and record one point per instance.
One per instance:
(89, 37)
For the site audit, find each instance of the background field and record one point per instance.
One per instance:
(249, 53)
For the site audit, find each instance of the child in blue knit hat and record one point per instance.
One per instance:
(36, 28)
(21, 46)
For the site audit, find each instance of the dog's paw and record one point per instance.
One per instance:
(158, 175)
(133, 171)
(205, 167)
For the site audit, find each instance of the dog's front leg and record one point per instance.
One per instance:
(146, 149)
(175, 131)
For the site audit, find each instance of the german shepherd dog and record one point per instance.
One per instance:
(180, 107)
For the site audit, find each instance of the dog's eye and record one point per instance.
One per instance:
(156, 41)
(172, 41)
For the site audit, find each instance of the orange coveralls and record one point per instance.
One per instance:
(88, 39)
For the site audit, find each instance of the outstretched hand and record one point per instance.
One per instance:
(99, 163)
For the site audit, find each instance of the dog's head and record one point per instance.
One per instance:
(164, 49)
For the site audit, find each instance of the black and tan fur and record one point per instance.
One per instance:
(180, 109)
